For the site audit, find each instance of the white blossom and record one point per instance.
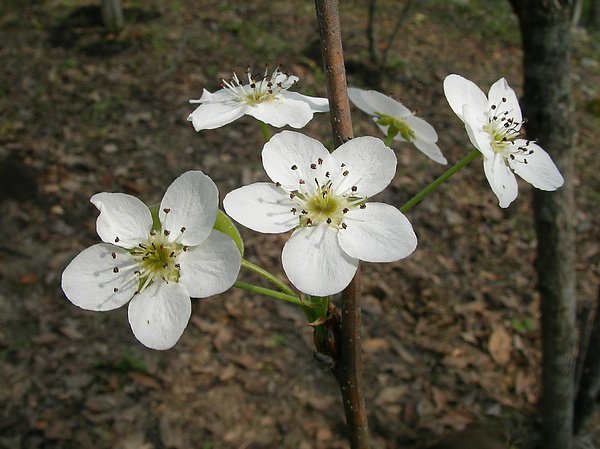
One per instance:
(157, 266)
(266, 99)
(389, 113)
(323, 197)
(493, 124)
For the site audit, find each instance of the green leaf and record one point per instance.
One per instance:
(226, 226)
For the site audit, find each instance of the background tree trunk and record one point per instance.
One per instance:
(545, 33)
(112, 15)
(594, 18)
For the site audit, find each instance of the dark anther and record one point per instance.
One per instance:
(329, 221)
(319, 161)
(504, 99)
(113, 255)
(116, 239)
(165, 265)
(327, 174)
(167, 232)
(305, 212)
(512, 157)
(302, 181)
(166, 210)
(294, 167)
(345, 210)
(343, 165)
(115, 269)
(344, 226)
(525, 161)
(185, 248)
(309, 221)
(152, 233)
(363, 206)
(493, 106)
(177, 266)
(172, 254)
(313, 166)
(115, 290)
(354, 188)
(182, 229)
(137, 272)
(345, 173)
(293, 210)
(277, 184)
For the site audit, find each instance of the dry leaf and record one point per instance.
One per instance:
(500, 345)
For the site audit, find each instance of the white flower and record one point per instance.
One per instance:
(267, 99)
(493, 124)
(323, 197)
(159, 267)
(387, 112)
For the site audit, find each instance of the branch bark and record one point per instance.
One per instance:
(545, 33)
(347, 368)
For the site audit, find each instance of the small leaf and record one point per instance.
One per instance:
(226, 226)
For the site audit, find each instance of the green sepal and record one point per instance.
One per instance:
(226, 226)
(156, 226)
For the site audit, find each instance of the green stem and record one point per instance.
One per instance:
(435, 184)
(389, 138)
(272, 293)
(268, 276)
(266, 132)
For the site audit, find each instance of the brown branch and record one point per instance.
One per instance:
(347, 369)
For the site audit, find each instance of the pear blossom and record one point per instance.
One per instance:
(494, 126)
(322, 197)
(266, 99)
(158, 266)
(389, 113)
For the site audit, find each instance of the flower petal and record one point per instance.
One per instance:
(431, 150)
(377, 233)
(123, 221)
(262, 207)
(189, 208)
(536, 167)
(211, 267)
(219, 96)
(289, 156)
(504, 98)
(501, 179)
(316, 104)
(89, 281)
(369, 164)
(158, 316)
(373, 102)
(282, 111)
(474, 122)
(314, 262)
(214, 115)
(460, 91)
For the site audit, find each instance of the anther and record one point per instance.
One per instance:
(113, 255)
(172, 254)
(345, 173)
(342, 165)
(328, 220)
(313, 166)
(165, 265)
(354, 188)
(294, 167)
(185, 248)
(166, 232)
(504, 99)
(277, 184)
(344, 226)
(301, 181)
(182, 229)
(305, 212)
(177, 266)
(293, 210)
(345, 210)
(327, 174)
(319, 161)
(166, 210)
(137, 272)
(309, 221)
(363, 206)
(115, 269)
(115, 290)
(116, 239)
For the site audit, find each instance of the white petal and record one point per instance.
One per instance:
(211, 267)
(314, 262)
(369, 163)
(423, 130)
(431, 150)
(539, 170)
(262, 207)
(372, 102)
(501, 179)
(316, 104)
(377, 233)
(282, 111)
(474, 122)
(90, 279)
(123, 221)
(460, 91)
(219, 96)
(291, 149)
(215, 115)
(504, 98)
(191, 201)
(159, 314)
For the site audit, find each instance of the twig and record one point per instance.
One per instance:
(347, 369)
(378, 57)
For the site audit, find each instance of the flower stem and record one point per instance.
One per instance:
(268, 276)
(347, 368)
(272, 293)
(266, 132)
(435, 184)
(389, 138)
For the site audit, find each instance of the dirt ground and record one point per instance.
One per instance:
(451, 334)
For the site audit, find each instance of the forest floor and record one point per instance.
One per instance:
(451, 335)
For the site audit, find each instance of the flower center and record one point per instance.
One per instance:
(265, 89)
(396, 126)
(157, 258)
(502, 128)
